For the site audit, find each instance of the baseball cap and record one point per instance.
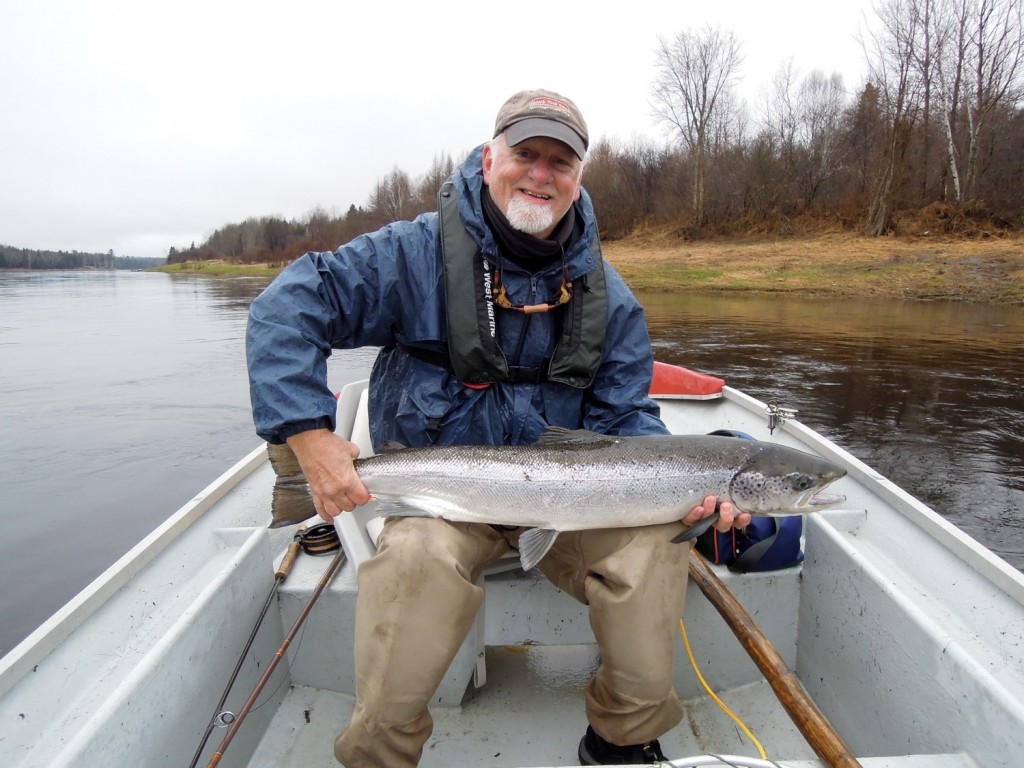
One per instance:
(542, 113)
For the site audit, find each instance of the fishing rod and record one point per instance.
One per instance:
(219, 716)
(251, 701)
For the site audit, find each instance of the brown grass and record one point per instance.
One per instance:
(985, 268)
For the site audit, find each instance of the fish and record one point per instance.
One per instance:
(576, 479)
(292, 501)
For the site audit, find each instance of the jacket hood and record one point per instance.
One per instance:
(468, 179)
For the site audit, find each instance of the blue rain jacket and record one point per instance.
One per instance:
(386, 289)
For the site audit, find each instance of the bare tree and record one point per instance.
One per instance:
(391, 198)
(892, 55)
(979, 68)
(924, 65)
(780, 127)
(430, 184)
(820, 103)
(695, 71)
(802, 124)
(319, 226)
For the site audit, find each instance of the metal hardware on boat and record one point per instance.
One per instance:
(224, 719)
(777, 415)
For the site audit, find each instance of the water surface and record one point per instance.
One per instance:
(927, 394)
(123, 395)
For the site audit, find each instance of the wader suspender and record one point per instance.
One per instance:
(475, 356)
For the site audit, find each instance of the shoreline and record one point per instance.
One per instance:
(987, 269)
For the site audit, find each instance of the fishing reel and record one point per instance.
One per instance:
(318, 540)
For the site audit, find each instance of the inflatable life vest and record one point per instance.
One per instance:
(474, 355)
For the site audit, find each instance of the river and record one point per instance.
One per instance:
(124, 394)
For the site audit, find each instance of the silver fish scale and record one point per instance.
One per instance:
(597, 483)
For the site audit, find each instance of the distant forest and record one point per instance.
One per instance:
(24, 258)
(933, 141)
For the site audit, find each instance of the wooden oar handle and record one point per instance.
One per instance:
(819, 733)
(289, 557)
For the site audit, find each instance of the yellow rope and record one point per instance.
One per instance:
(729, 712)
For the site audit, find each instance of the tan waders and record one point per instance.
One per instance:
(418, 598)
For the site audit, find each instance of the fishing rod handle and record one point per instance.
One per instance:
(289, 557)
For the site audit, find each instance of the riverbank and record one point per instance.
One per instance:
(982, 269)
(926, 268)
(218, 268)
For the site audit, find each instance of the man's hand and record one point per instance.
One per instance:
(727, 517)
(326, 461)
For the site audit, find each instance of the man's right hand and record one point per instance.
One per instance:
(326, 461)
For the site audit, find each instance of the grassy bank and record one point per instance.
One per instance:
(985, 269)
(218, 269)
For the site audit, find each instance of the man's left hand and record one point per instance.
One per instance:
(727, 516)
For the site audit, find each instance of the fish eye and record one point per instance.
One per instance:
(801, 482)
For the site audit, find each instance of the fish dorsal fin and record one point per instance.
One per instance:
(534, 544)
(390, 446)
(576, 437)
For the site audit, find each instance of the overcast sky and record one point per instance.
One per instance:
(137, 126)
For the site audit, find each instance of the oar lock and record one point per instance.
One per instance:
(777, 415)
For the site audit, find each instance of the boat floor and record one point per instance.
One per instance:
(530, 713)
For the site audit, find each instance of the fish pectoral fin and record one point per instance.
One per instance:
(697, 528)
(534, 544)
(395, 508)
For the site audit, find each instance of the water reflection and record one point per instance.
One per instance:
(228, 294)
(927, 394)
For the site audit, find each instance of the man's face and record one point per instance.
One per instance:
(533, 183)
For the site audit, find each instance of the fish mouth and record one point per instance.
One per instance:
(816, 500)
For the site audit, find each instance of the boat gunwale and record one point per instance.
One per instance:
(985, 562)
(21, 659)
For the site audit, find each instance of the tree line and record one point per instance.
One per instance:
(934, 138)
(277, 241)
(26, 258)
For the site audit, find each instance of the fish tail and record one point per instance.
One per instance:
(291, 502)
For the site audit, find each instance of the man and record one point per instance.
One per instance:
(496, 317)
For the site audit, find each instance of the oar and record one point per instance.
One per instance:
(820, 734)
(282, 573)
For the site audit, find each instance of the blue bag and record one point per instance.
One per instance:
(767, 544)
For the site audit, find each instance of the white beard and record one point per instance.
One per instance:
(529, 218)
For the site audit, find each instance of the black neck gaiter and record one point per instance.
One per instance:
(529, 252)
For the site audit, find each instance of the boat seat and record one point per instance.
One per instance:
(360, 529)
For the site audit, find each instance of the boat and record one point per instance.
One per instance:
(906, 635)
